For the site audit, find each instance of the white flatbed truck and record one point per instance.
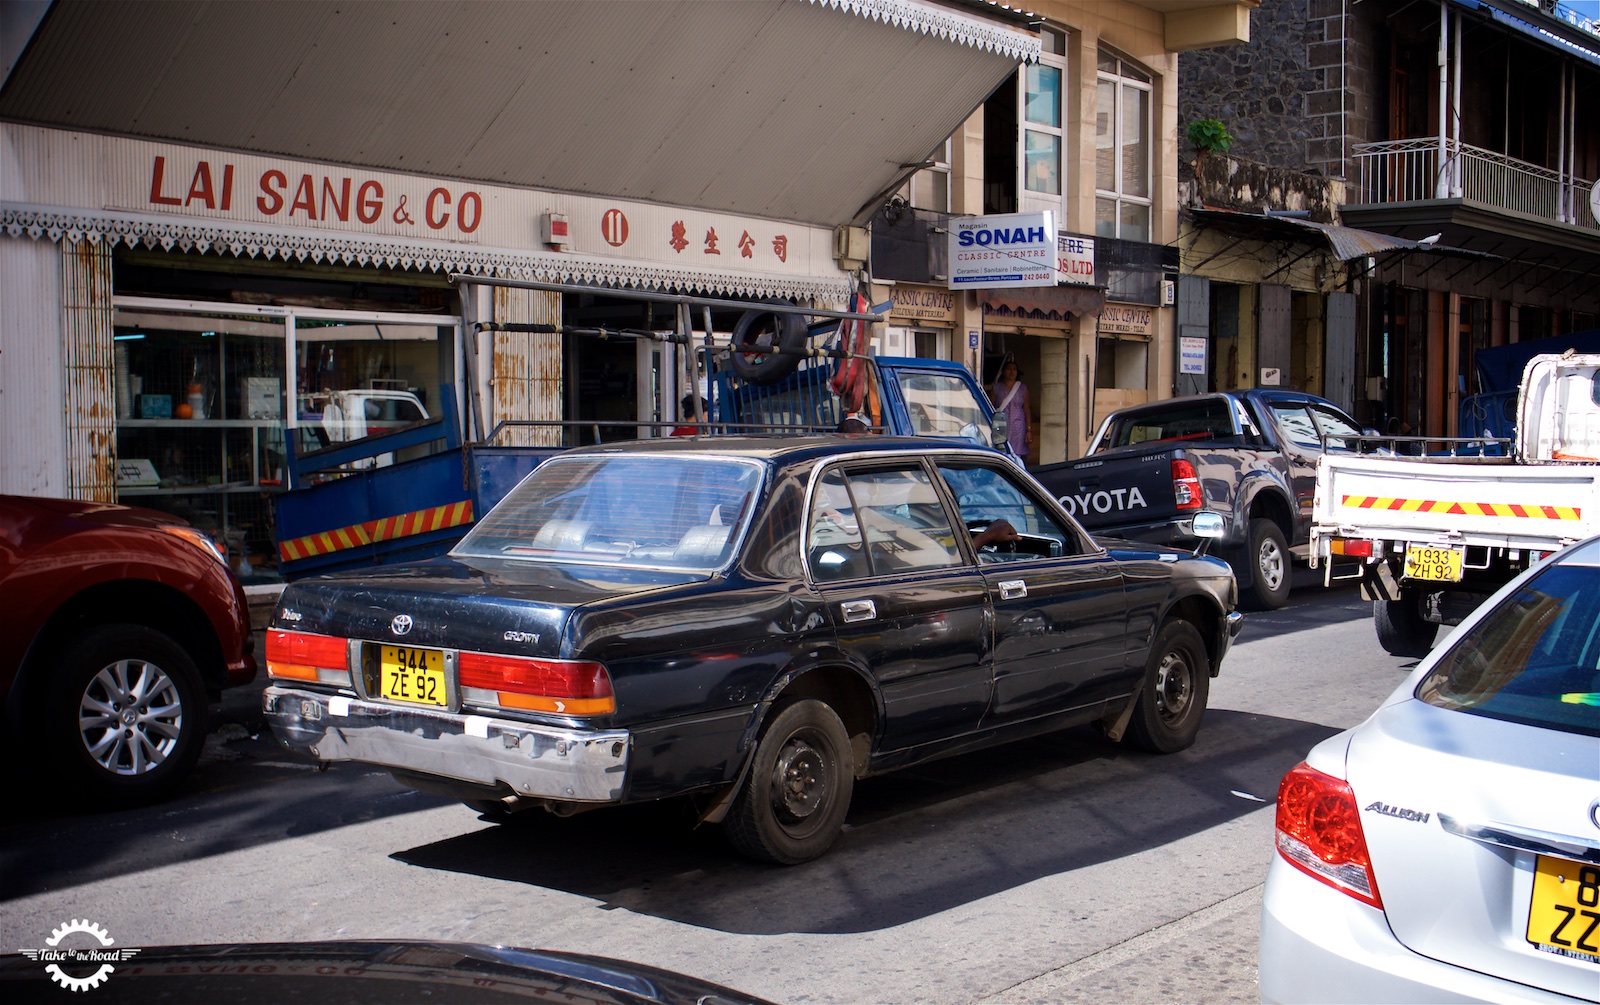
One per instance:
(1433, 536)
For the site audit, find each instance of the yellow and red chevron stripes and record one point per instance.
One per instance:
(390, 527)
(1463, 508)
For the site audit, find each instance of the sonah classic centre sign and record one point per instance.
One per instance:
(1014, 249)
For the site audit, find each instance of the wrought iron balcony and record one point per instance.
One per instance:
(1399, 171)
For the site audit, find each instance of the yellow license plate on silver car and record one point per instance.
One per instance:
(1440, 565)
(412, 675)
(1564, 915)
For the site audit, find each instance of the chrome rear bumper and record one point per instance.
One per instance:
(538, 761)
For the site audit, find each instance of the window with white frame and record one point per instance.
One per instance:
(1042, 114)
(929, 187)
(1122, 150)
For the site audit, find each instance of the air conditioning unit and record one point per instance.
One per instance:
(851, 247)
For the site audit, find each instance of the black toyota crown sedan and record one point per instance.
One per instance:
(752, 623)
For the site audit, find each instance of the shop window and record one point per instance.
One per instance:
(199, 403)
(201, 416)
(1122, 149)
(357, 380)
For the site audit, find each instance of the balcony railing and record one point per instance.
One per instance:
(1411, 171)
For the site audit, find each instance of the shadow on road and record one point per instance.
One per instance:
(917, 842)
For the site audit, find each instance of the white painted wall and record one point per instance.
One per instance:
(33, 443)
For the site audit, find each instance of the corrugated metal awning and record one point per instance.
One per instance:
(1559, 28)
(1343, 243)
(802, 110)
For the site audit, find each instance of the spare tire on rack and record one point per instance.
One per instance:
(767, 329)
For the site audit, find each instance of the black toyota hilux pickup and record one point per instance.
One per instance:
(1250, 456)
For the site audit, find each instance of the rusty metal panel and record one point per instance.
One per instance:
(525, 379)
(781, 109)
(90, 412)
(90, 391)
(32, 435)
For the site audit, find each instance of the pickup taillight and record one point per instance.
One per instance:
(1186, 485)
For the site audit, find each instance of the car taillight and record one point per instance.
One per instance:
(303, 656)
(1352, 547)
(1186, 485)
(1319, 833)
(567, 687)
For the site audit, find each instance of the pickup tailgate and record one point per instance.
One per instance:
(1115, 489)
(1480, 501)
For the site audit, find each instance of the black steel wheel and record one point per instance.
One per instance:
(767, 330)
(1268, 557)
(1177, 682)
(794, 799)
(126, 715)
(1402, 630)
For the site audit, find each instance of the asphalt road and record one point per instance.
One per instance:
(1060, 869)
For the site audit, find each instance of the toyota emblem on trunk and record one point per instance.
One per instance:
(401, 624)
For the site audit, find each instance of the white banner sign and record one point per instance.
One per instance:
(1075, 259)
(1192, 354)
(1017, 249)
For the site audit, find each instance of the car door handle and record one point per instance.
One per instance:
(1011, 589)
(858, 610)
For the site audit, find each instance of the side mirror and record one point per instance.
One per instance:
(1208, 527)
(998, 423)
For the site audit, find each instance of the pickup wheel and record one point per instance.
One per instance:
(794, 800)
(1268, 555)
(126, 716)
(1177, 682)
(1402, 630)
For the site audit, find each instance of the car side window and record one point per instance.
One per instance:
(1339, 431)
(878, 522)
(1295, 421)
(986, 495)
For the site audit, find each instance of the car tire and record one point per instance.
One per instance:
(1177, 683)
(1268, 557)
(143, 682)
(767, 329)
(794, 799)
(1402, 630)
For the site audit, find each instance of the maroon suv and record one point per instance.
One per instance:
(117, 627)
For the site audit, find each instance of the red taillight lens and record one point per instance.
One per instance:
(299, 655)
(1186, 485)
(1351, 547)
(1319, 833)
(568, 687)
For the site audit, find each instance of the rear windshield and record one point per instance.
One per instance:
(664, 512)
(1535, 659)
(1203, 420)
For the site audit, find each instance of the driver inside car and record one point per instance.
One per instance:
(999, 531)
